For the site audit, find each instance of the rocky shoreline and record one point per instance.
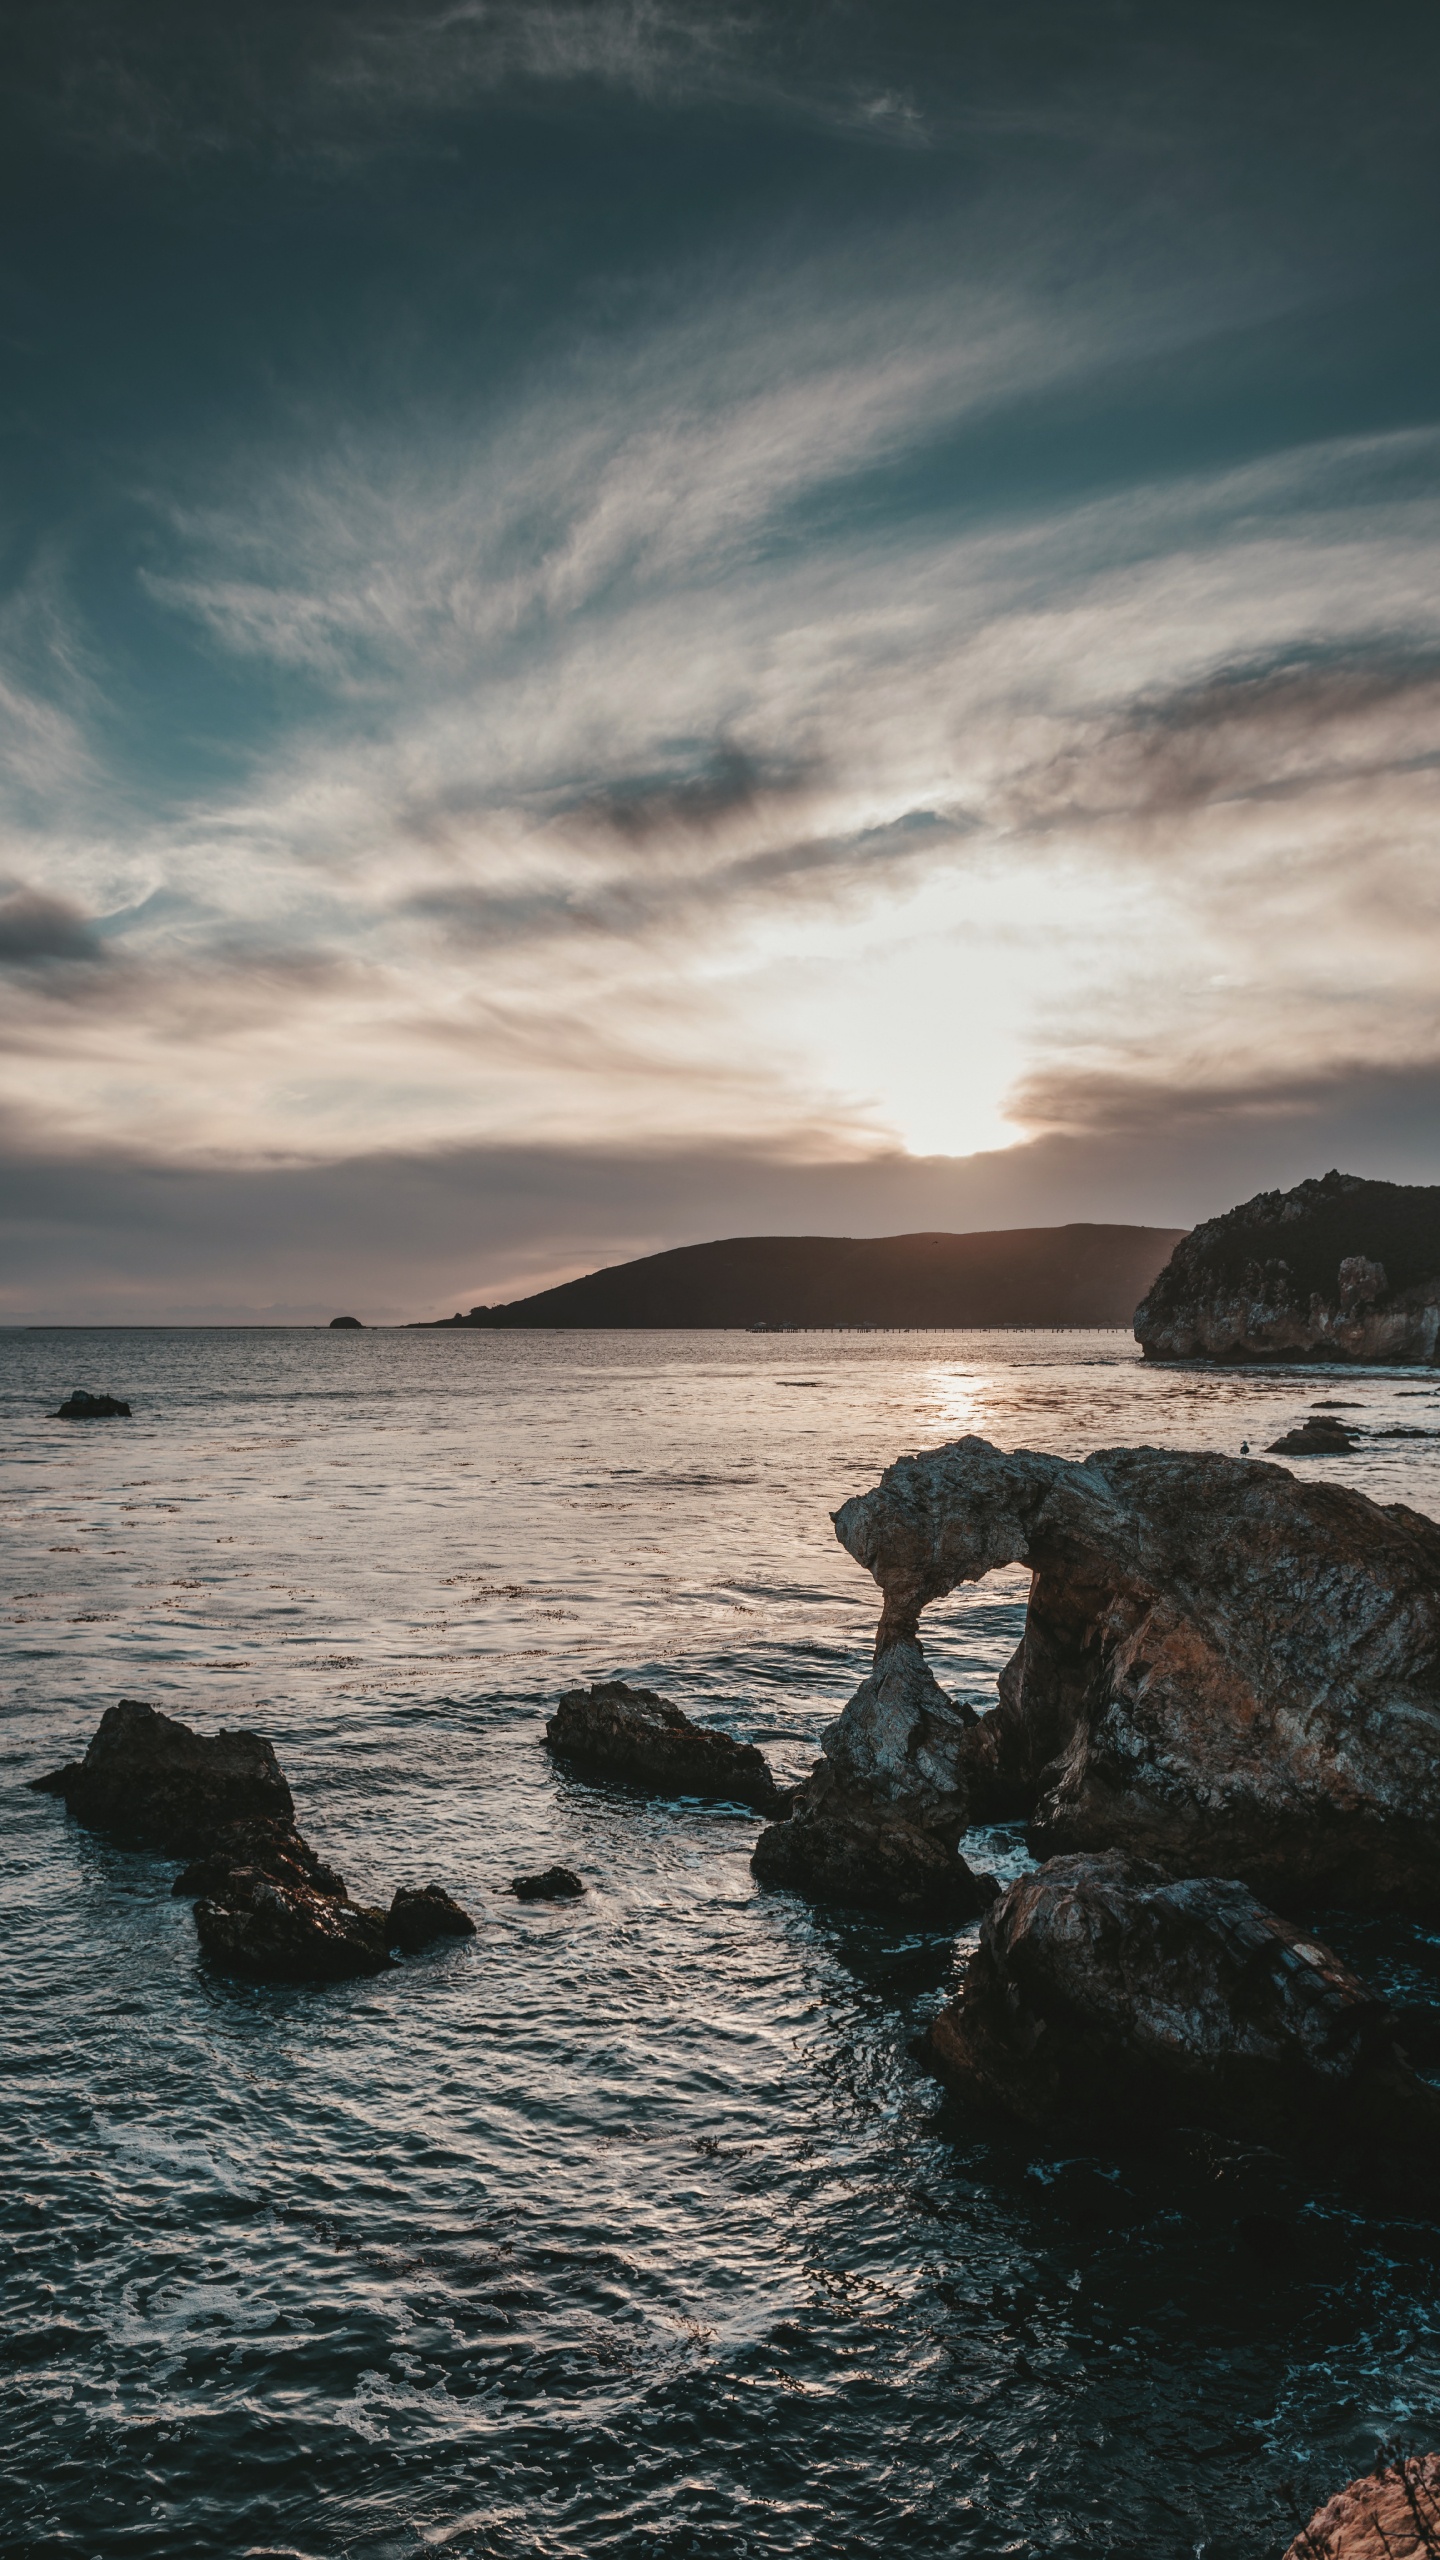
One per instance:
(1338, 1269)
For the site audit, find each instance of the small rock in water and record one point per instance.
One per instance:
(418, 1916)
(1393, 2513)
(620, 1732)
(81, 1406)
(552, 1884)
(1314, 1439)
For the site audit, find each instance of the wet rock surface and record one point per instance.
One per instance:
(614, 1731)
(420, 1914)
(283, 1934)
(1393, 2513)
(1224, 1668)
(1337, 1269)
(548, 1884)
(151, 1781)
(273, 1849)
(81, 1405)
(1111, 1999)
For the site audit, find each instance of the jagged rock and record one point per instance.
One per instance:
(277, 1933)
(81, 1406)
(1337, 1269)
(1313, 1439)
(273, 1849)
(1393, 2513)
(1106, 1997)
(551, 1884)
(152, 1781)
(618, 1732)
(419, 1914)
(1223, 1668)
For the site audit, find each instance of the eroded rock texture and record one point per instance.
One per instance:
(1393, 2513)
(1337, 1269)
(1114, 1999)
(151, 1781)
(618, 1732)
(1223, 1668)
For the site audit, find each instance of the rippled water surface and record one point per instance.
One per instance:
(633, 2226)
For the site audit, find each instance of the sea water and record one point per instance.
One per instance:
(632, 2226)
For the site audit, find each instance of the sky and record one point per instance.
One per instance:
(624, 622)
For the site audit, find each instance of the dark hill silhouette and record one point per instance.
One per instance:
(1086, 1275)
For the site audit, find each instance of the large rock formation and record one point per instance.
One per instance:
(151, 1781)
(1393, 2513)
(1337, 1269)
(618, 1732)
(284, 1934)
(1223, 1669)
(1111, 1999)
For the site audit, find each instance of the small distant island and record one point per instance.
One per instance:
(1071, 1275)
(346, 1324)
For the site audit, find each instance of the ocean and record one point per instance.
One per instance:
(633, 2226)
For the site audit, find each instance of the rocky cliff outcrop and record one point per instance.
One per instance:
(614, 1731)
(1337, 1269)
(1393, 2513)
(1113, 1999)
(1223, 1669)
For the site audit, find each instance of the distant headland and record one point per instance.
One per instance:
(1072, 1275)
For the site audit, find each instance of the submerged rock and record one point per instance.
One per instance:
(279, 1933)
(81, 1406)
(153, 1782)
(618, 1732)
(420, 1914)
(1224, 1669)
(1107, 1998)
(551, 1884)
(1337, 1269)
(1393, 2513)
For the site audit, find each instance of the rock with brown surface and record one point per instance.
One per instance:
(1393, 2513)
(419, 1915)
(613, 1731)
(1108, 1999)
(153, 1782)
(1337, 1269)
(278, 1933)
(1223, 1668)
